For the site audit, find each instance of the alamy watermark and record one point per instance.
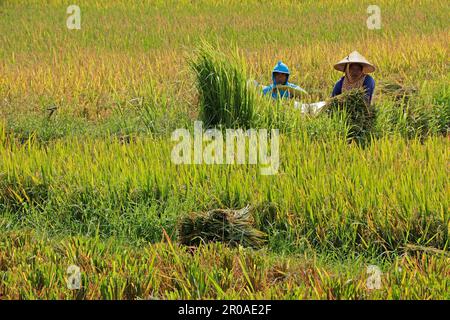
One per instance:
(374, 20)
(241, 147)
(73, 21)
(73, 279)
(373, 282)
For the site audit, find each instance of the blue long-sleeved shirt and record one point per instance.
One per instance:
(280, 93)
(369, 85)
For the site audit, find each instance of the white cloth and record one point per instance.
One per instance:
(309, 107)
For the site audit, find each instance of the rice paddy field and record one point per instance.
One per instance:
(86, 176)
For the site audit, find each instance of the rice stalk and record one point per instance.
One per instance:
(225, 98)
(359, 114)
(233, 227)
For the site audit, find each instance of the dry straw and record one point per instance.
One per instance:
(233, 227)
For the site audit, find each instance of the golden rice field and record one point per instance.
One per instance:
(86, 176)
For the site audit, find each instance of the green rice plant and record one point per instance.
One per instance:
(416, 119)
(33, 267)
(225, 98)
(277, 114)
(439, 122)
(328, 195)
(45, 129)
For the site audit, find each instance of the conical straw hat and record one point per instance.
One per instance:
(355, 57)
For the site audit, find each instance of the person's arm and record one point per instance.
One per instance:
(298, 88)
(337, 90)
(369, 85)
(266, 89)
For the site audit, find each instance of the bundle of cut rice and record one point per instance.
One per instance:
(233, 227)
(399, 92)
(360, 114)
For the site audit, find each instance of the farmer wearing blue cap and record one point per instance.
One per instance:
(281, 88)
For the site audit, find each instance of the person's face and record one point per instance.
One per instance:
(355, 70)
(280, 78)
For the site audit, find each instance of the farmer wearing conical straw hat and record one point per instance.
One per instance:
(281, 88)
(356, 69)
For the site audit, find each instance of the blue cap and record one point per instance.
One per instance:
(281, 68)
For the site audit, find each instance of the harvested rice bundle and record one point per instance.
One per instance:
(225, 97)
(233, 227)
(360, 115)
(400, 93)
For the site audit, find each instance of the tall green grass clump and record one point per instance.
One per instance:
(225, 98)
(420, 115)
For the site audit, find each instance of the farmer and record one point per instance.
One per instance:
(280, 77)
(356, 69)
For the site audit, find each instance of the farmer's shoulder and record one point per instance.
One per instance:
(339, 82)
(369, 81)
